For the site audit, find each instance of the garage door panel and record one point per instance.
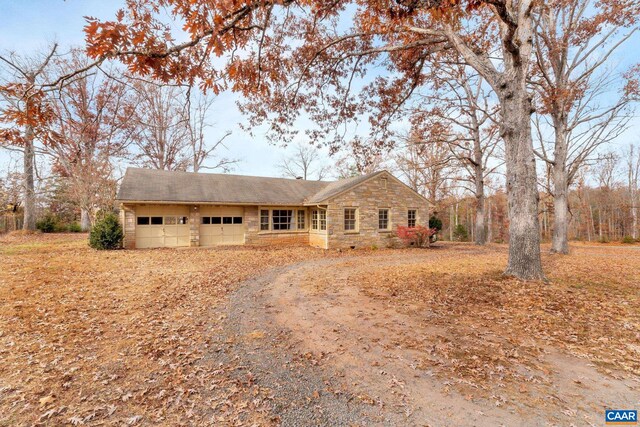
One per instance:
(219, 227)
(162, 226)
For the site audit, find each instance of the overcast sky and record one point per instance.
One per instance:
(28, 25)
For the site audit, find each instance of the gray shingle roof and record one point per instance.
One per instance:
(170, 186)
(336, 187)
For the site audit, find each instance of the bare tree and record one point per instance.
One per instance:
(461, 102)
(633, 176)
(24, 111)
(426, 163)
(163, 136)
(303, 163)
(90, 128)
(573, 41)
(197, 122)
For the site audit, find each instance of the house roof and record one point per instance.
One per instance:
(149, 185)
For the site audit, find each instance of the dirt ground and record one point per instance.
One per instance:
(299, 336)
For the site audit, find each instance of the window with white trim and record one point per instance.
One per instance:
(383, 219)
(411, 218)
(301, 220)
(264, 219)
(314, 219)
(350, 219)
(322, 219)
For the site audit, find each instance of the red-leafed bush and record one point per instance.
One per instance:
(417, 236)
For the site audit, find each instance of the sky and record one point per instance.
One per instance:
(28, 25)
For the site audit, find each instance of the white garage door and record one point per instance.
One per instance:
(162, 226)
(221, 225)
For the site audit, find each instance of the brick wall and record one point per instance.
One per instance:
(382, 192)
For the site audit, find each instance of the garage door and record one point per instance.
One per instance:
(221, 225)
(162, 226)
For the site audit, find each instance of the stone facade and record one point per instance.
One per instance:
(382, 191)
(128, 222)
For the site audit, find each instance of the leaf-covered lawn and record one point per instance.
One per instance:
(590, 308)
(120, 337)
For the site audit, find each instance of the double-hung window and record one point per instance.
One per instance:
(383, 219)
(350, 219)
(323, 219)
(314, 219)
(411, 218)
(300, 220)
(264, 219)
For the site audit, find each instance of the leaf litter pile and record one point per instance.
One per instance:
(120, 338)
(495, 329)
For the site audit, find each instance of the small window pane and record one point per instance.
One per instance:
(264, 219)
(411, 218)
(227, 220)
(237, 220)
(301, 220)
(216, 220)
(182, 220)
(323, 220)
(156, 220)
(349, 219)
(170, 220)
(383, 219)
(143, 220)
(206, 220)
(282, 219)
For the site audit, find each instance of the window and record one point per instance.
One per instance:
(350, 222)
(206, 220)
(282, 219)
(383, 219)
(183, 220)
(323, 220)
(264, 219)
(314, 219)
(411, 218)
(237, 220)
(216, 220)
(156, 220)
(227, 220)
(170, 220)
(143, 220)
(301, 220)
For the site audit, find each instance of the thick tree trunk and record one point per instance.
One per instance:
(560, 240)
(522, 187)
(29, 222)
(85, 219)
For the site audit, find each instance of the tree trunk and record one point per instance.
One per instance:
(480, 228)
(522, 186)
(29, 222)
(489, 222)
(560, 240)
(85, 219)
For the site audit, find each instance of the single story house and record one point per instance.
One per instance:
(169, 209)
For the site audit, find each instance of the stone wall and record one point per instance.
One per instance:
(253, 235)
(318, 239)
(381, 192)
(128, 223)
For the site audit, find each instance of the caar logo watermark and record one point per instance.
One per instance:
(621, 417)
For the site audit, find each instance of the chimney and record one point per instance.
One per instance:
(298, 177)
